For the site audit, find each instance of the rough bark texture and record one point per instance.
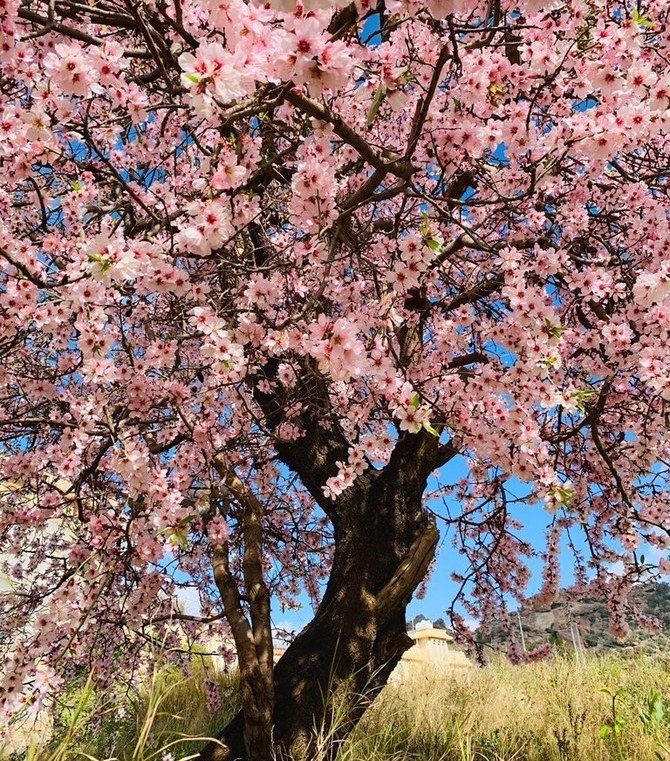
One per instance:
(252, 630)
(384, 543)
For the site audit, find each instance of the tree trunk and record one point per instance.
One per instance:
(384, 544)
(252, 629)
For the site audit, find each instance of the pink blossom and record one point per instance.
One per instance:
(211, 74)
(68, 68)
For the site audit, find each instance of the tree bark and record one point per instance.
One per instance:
(252, 629)
(384, 542)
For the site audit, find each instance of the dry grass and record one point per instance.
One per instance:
(168, 714)
(555, 710)
(606, 709)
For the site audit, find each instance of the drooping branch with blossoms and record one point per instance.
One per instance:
(266, 269)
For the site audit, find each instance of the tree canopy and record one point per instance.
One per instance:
(267, 267)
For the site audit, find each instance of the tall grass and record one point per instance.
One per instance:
(556, 710)
(168, 716)
(606, 709)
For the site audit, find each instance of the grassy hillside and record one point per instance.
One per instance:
(590, 615)
(606, 709)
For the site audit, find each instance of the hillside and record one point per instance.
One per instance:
(591, 623)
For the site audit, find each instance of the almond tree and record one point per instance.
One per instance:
(266, 268)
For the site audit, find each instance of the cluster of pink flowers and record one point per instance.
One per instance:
(212, 695)
(213, 75)
(338, 348)
(314, 189)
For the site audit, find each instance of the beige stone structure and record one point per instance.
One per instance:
(433, 649)
(32, 730)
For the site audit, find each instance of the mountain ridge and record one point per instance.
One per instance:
(569, 624)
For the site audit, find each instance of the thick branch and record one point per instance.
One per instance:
(232, 604)
(474, 294)
(401, 168)
(73, 33)
(252, 564)
(409, 574)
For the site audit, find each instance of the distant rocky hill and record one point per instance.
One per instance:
(587, 621)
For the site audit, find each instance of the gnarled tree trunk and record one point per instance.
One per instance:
(385, 541)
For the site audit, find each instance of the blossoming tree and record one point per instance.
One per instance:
(266, 268)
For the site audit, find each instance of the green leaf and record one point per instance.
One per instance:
(416, 401)
(76, 185)
(424, 229)
(435, 245)
(432, 430)
(642, 19)
(193, 78)
(656, 709)
(374, 108)
(103, 260)
(582, 398)
(180, 538)
(549, 164)
(605, 731)
(565, 494)
(554, 330)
